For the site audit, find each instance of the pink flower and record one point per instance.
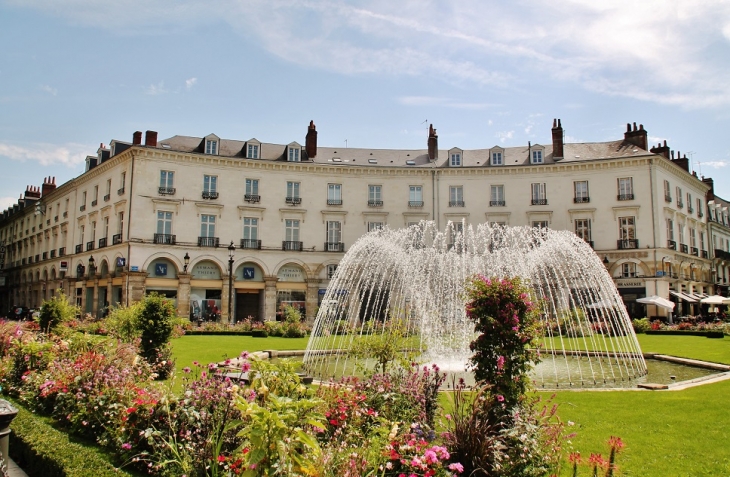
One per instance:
(500, 362)
(500, 398)
(245, 367)
(244, 354)
(456, 467)
(126, 446)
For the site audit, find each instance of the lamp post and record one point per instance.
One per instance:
(187, 262)
(92, 268)
(231, 249)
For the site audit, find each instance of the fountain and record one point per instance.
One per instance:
(416, 276)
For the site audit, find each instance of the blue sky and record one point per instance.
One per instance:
(77, 73)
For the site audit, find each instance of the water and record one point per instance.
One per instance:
(416, 276)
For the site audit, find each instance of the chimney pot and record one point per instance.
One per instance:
(628, 127)
(637, 137)
(310, 142)
(150, 138)
(557, 133)
(137, 138)
(433, 144)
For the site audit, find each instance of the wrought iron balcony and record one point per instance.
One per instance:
(581, 200)
(116, 239)
(456, 203)
(694, 251)
(700, 214)
(48, 222)
(627, 244)
(680, 204)
(690, 209)
(62, 252)
(415, 203)
(208, 241)
(79, 248)
(705, 254)
(89, 246)
(38, 258)
(293, 200)
(722, 254)
(53, 253)
(625, 197)
(253, 198)
(251, 244)
(291, 245)
(667, 198)
(120, 191)
(375, 203)
(334, 247)
(45, 255)
(102, 242)
(55, 219)
(539, 202)
(210, 195)
(65, 215)
(671, 244)
(166, 191)
(164, 239)
(334, 201)
(683, 248)
(497, 203)
(94, 202)
(82, 208)
(107, 197)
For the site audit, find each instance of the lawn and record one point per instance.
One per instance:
(667, 434)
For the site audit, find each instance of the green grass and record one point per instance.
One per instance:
(212, 349)
(698, 347)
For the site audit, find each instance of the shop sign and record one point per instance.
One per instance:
(206, 271)
(249, 273)
(161, 269)
(291, 273)
(629, 283)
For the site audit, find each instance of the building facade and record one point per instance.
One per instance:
(246, 226)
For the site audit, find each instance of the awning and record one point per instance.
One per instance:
(682, 296)
(658, 301)
(697, 296)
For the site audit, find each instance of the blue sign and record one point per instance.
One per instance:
(249, 273)
(134, 268)
(121, 261)
(161, 269)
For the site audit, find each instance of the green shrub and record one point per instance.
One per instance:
(123, 323)
(56, 311)
(156, 318)
(641, 325)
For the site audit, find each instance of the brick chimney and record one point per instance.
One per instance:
(557, 140)
(637, 137)
(32, 192)
(150, 138)
(310, 143)
(682, 162)
(49, 185)
(137, 138)
(660, 149)
(711, 192)
(433, 144)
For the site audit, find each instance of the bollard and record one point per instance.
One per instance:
(7, 414)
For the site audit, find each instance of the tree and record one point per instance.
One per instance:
(156, 317)
(56, 311)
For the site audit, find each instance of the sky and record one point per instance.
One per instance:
(371, 73)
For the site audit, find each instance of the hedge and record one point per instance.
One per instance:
(41, 449)
(708, 334)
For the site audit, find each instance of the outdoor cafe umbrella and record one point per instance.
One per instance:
(601, 304)
(713, 300)
(657, 301)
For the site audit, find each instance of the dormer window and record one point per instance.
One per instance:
(496, 157)
(211, 146)
(253, 151)
(455, 156)
(537, 156)
(294, 152)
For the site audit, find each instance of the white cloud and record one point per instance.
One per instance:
(505, 135)
(69, 155)
(489, 123)
(155, 89)
(715, 164)
(49, 89)
(442, 102)
(189, 83)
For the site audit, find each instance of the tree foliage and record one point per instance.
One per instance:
(56, 311)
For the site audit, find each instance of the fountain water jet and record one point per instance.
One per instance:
(417, 276)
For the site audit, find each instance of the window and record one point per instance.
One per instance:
(375, 195)
(108, 189)
(456, 196)
(670, 229)
(539, 193)
(334, 232)
(331, 269)
(667, 191)
(496, 196)
(537, 157)
(164, 222)
(207, 225)
(211, 147)
(334, 194)
(167, 182)
(122, 183)
(293, 154)
(689, 203)
(375, 226)
(625, 188)
(580, 189)
(292, 230)
(583, 229)
(415, 196)
(455, 159)
(679, 197)
(628, 270)
(496, 158)
(693, 237)
(253, 151)
(96, 193)
(700, 212)
(250, 228)
(702, 240)
(540, 224)
(120, 223)
(627, 228)
(106, 227)
(210, 187)
(252, 190)
(83, 200)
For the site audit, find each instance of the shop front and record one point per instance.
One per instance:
(206, 292)
(249, 285)
(630, 290)
(291, 290)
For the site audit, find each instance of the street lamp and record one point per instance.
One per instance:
(92, 268)
(187, 262)
(231, 249)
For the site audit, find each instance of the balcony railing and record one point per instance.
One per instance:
(672, 244)
(334, 201)
(62, 252)
(102, 242)
(704, 254)
(120, 191)
(722, 254)
(38, 258)
(251, 244)
(22, 261)
(164, 239)
(210, 195)
(45, 255)
(694, 251)
(581, 200)
(79, 248)
(116, 239)
(166, 191)
(65, 215)
(680, 204)
(48, 222)
(82, 208)
(683, 248)
(375, 203)
(107, 197)
(497, 203)
(415, 203)
(293, 200)
(55, 219)
(539, 202)
(334, 247)
(625, 197)
(456, 203)
(94, 202)
(89, 246)
(667, 198)
(627, 244)
(53, 253)
(208, 241)
(700, 214)
(253, 198)
(690, 209)
(291, 245)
